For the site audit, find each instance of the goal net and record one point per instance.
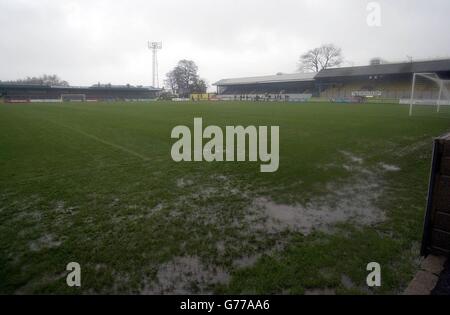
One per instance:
(73, 97)
(429, 91)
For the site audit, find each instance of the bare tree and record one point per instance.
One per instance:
(323, 57)
(171, 82)
(309, 62)
(200, 86)
(184, 80)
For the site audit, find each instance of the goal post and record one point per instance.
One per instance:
(429, 89)
(73, 97)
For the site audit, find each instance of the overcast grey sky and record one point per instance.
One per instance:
(88, 41)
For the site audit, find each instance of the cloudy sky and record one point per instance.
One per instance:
(90, 41)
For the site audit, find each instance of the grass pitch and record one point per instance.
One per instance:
(95, 184)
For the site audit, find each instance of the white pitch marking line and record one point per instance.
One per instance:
(102, 141)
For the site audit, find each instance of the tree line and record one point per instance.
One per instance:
(46, 79)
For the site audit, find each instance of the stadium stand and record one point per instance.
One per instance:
(389, 81)
(281, 87)
(14, 93)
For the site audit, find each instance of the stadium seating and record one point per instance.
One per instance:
(389, 89)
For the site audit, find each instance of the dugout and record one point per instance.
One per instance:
(436, 232)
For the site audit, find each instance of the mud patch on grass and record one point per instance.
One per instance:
(61, 208)
(38, 283)
(27, 208)
(183, 182)
(390, 168)
(352, 157)
(347, 282)
(238, 224)
(354, 200)
(246, 261)
(414, 147)
(221, 247)
(136, 213)
(63, 213)
(186, 275)
(46, 241)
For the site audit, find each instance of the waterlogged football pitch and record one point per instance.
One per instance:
(96, 184)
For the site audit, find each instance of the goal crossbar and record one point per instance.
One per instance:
(72, 97)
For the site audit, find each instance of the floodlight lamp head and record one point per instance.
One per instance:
(155, 45)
